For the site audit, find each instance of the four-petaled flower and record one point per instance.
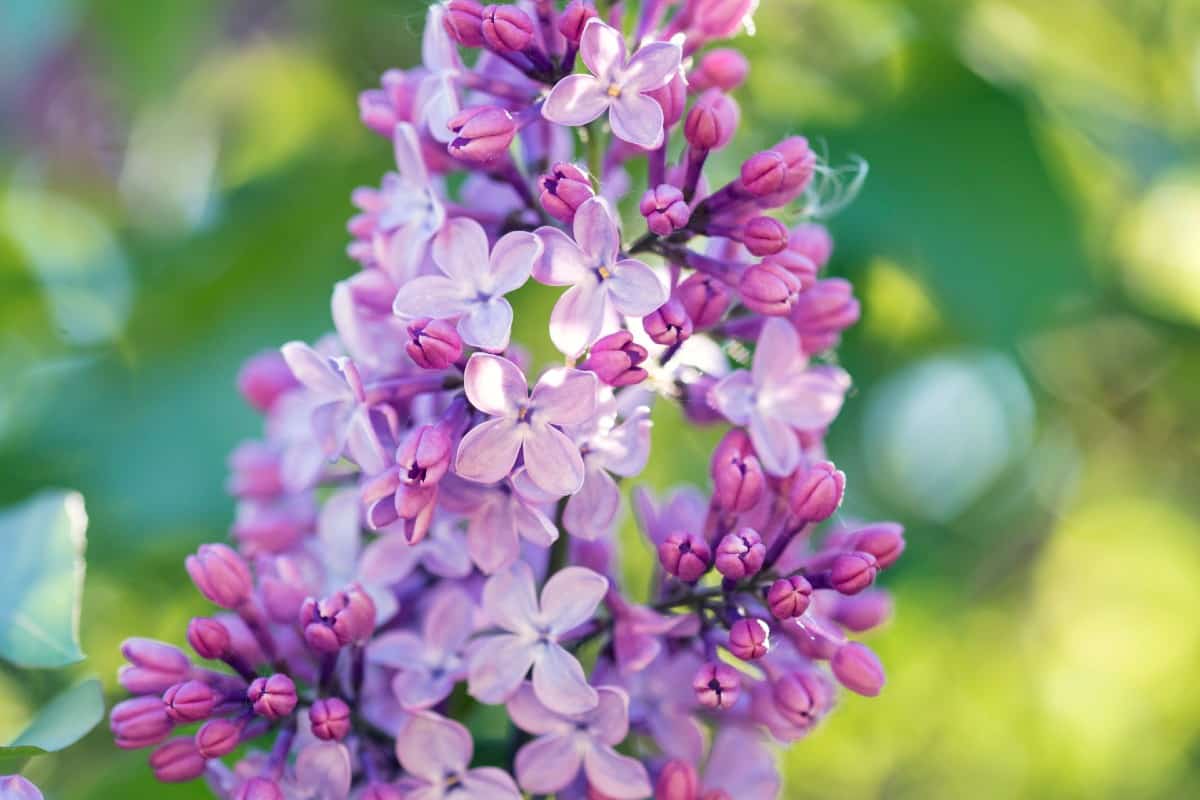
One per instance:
(602, 283)
(617, 85)
(428, 666)
(406, 209)
(436, 753)
(499, 662)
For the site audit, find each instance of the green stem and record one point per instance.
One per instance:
(595, 149)
(558, 550)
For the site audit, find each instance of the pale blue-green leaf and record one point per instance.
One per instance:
(63, 721)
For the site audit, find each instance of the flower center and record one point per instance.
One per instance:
(604, 272)
(614, 90)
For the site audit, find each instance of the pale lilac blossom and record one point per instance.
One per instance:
(436, 754)
(428, 665)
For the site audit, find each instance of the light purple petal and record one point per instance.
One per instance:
(678, 735)
(406, 146)
(596, 232)
(417, 689)
(323, 768)
(432, 296)
(437, 103)
(495, 385)
(498, 665)
(637, 119)
(461, 251)
(512, 261)
(492, 539)
(438, 51)
(565, 396)
(548, 763)
(652, 66)
(559, 682)
(14, 787)
(591, 511)
(533, 525)
(488, 451)
(733, 396)
(807, 400)
(445, 556)
(552, 460)
(634, 288)
(488, 783)
(488, 324)
(395, 649)
(610, 720)
(602, 48)
(578, 317)
(510, 600)
(387, 560)
(314, 370)
(562, 263)
(775, 444)
(570, 597)
(576, 100)
(449, 620)
(429, 746)
(777, 353)
(617, 776)
(741, 765)
(530, 715)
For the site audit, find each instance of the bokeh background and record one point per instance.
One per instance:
(174, 182)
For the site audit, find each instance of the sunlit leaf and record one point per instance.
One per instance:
(63, 721)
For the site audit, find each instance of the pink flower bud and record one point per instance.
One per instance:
(263, 378)
(817, 492)
(850, 573)
(704, 298)
(665, 209)
(190, 701)
(273, 697)
(749, 638)
(711, 123)
(573, 20)
(764, 236)
(481, 134)
(724, 68)
(343, 618)
(330, 719)
(677, 781)
(812, 240)
(672, 99)
(800, 265)
(884, 540)
(433, 343)
(424, 456)
(858, 669)
(463, 22)
(139, 722)
(221, 575)
(862, 612)
(717, 685)
(668, 324)
(685, 555)
(255, 469)
(615, 359)
(507, 28)
(208, 637)
(153, 666)
(824, 311)
(563, 190)
(740, 554)
(789, 597)
(801, 161)
(218, 737)
(259, 789)
(177, 761)
(738, 479)
(763, 173)
(718, 19)
(769, 289)
(801, 697)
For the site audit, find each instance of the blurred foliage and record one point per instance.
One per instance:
(173, 187)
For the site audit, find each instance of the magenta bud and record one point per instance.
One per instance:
(463, 22)
(573, 19)
(862, 612)
(208, 637)
(764, 236)
(718, 19)
(825, 310)
(724, 68)
(740, 554)
(255, 470)
(800, 697)
(677, 781)
(424, 456)
(273, 697)
(221, 575)
(665, 209)
(884, 540)
(812, 240)
(218, 737)
(343, 618)
(330, 719)
(685, 555)
(799, 265)
(738, 479)
(817, 492)
(769, 289)
(177, 761)
(481, 134)
(789, 597)
(615, 359)
(801, 161)
(711, 123)
(763, 173)
(668, 324)
(850, 573)
(190, 701)
(749, 638)
(717, 685)
(263, 378)
(433, 343)
(153, 666)
(381, 791)
(139, 722)
(506, 28)
(858, 669)
(672, 99)
(704, 298)
(563, 190)
(259, 789)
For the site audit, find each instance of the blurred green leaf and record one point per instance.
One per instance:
(65, 720)
(41, 579)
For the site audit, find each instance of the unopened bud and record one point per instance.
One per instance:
(177, 761)
(668, 324)
(862, 612)
(259, 789)
(850, 573)
(738, 479)
(139, 722)
(763, 173)
(764, 236)
(273, 697)
(463, 22)
(717, 685)
(712, 121)
(563, 190)
(190, 701)
(433, 343)
(740, 554)
(424, 456)
(481, 134)
(685, 555)
(153, 666)
(330, 718)
(795, 262)
(749, 638)
(723, 68)
(884, 540)
(218, 737)
(813, 240)
(616, 360)
(704, 298)
(263, 378)
(769, 289)
(800, 697)
(858, 669)
(506, 28)
(672, 99)
(574, 18)
(789, 597)
(677, 781)
(665, 209)
(208, 637)
(817, 492)
(343, 618)
(221, 575)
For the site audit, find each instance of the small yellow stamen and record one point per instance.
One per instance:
(604, 273)
(614, 90)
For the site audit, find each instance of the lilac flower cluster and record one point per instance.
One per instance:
(427, 527)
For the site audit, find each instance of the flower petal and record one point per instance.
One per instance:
(553, 461)
(562, 262)
(577, 318)
(432, 296)
(487, 783)
(635, 289)
(416, 688)
(512, 262)
(559, 682)
(395, 649)
(610, 720)
(733, 396)
(679, 736)
(461, 251)
(596, 232)
(775, 444)
(652, 66)
(591, 511)
(570, 598)
(565, 396)
(488, 324)
(510, 600)
(498, 665)
(602, 48)
(429, 746)
(488, 451)
(777, 352)
(530, 715)
(495, 385)
(324, 769)
(492, 539)
(616, 776)
(548, 763)
(809, 399)
(740, 764)
(449, 620)
(533, 525)
(637, 119)
(406, 146)
(314, 370)
(576, 100)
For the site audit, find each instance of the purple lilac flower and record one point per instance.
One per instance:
(436, 752)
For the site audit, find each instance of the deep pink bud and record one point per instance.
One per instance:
(208, 637)
(273, 697)
(190, 701)
(763, 173)
(862, 612)
(218, 737)
(424, 456)
(824, 311)
(677, 781)
(801, 161)
(255, 470)
(139, 722)
(574, 18)
(704, 298)
(615, 359)
(481, 134)
(153, 666)
(672, 99)
(263, 378)
(764, 236)
(665, 209)
(330, 718)
(711, 123)
(507, 28)
(740, 554)
(817, 492)
(433, 343)
(800, 265)
(724, 68)
(850, 573)
(858, 669)
(343, 618)
(563, 190)
(259, 789)
(884, 540)
(382, 791)
(221, 575)
(769, 289)
(177, 761)
(800, 697)
(718, 19)
(738, 479)
(685, 555)
(749, 638)
(463, 22)
(717, 685)
(812, 240)
(668, 324)
(789, 597)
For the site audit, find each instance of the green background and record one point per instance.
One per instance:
(174, 182)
